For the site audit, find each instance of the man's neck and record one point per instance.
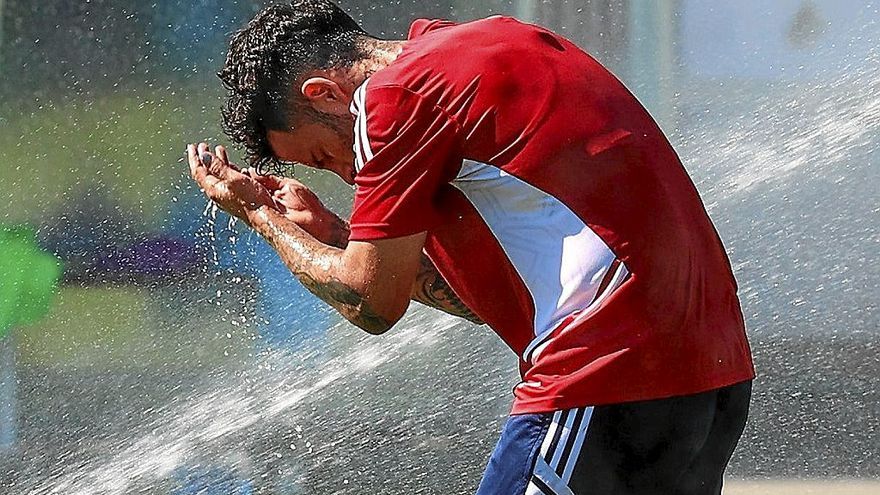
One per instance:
(380, 54)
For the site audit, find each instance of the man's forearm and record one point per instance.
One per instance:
(430, 287)
(315, 264)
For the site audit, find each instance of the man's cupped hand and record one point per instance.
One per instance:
(240, 192)
(232, 189)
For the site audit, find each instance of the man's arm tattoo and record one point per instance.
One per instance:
(311, 262)
(347, 301)
(432, 290)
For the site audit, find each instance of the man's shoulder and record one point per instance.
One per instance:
(439, 53)
(420, 27)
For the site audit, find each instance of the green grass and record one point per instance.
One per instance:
(123, 146)
(86, 326)
(119, 327)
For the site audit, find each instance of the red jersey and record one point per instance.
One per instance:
(555, 209)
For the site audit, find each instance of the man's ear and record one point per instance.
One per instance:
(325, 95)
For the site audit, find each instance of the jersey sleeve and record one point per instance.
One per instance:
(407, 151)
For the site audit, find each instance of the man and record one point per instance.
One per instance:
(502, 175)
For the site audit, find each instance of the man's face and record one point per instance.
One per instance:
(321, 145)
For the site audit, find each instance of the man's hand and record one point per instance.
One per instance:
(301, 206)
(233, 191)
(371, 291)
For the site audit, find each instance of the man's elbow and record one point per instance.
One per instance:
(373, 327)
(376, 322)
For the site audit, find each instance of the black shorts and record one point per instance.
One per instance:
(679, 445)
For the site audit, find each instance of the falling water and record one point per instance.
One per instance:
(280, 389)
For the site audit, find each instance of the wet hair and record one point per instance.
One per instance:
(276, 49)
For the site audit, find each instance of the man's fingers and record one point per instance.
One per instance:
(220, 151)
(196, 168)
(215, 167)
(196, 156)
(208, 169)
(198, 171)
(267, 181)
(206, 157)
(270, 182)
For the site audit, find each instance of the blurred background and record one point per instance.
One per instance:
(150, 345)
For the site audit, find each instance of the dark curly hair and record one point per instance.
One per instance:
(271, 54)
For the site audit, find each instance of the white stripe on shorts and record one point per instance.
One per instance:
(551, 432)
(533, 489)
(563, 439)
(578, 444)
(550, 470)
(548, 476)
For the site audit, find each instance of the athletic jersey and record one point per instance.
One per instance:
(556, 210)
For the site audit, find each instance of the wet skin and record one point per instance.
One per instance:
(369, 283)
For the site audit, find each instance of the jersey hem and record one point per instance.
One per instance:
(371, 233)
(540, 405)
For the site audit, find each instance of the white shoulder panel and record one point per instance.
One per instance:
(561, 261)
